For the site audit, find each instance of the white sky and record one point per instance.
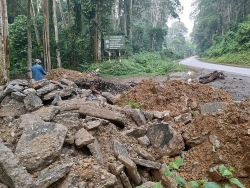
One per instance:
(185, 15)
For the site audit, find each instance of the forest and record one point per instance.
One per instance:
(70, 34)
(221, 30)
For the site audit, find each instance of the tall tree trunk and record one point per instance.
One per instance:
(130, 21)
(96, 40)
(69, 15)
(29, 63)
(4, 44)
(125, 17)
(58, 57)
(61, 12)
(46, 43)
(33, 16)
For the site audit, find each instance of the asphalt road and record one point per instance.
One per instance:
(193, 62)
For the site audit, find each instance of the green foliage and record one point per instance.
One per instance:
(133, 104)
(138, 65)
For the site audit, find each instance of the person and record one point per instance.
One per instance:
(37, 70)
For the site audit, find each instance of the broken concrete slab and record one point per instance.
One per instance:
(120, 149)
(110, 97)
(165, 139)
(32, 102)
(95, 150)
(145, 154)
(212, 108)
(131, 169)
(52, 174)
(125, 180)
(144, 141)
(18, 96)
(103, 113)
(116, 168)
(40, 144)
(146, 163)
(70, 181)
(83, 138)
(46, 89)
(38, 84)
(136, 133)
(29, 119)
(47, 113)
(14, 109)
(65, 92)
(138, 116)
(92, 124)
(12, 173)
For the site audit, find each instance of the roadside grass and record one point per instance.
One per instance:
(241, 59)
(140, 65)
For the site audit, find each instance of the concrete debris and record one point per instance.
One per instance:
(68, 134)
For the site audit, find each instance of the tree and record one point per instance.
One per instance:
(59, 64)
(4, 44)
(29, 37)
(46, 41)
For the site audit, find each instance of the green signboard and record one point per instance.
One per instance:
(114, 42)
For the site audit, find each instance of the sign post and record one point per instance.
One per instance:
(115, 42)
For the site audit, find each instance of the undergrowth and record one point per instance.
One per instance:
(235, 58)
(144, 64)
(173, 167)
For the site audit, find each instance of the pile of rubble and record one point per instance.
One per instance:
(57, 134)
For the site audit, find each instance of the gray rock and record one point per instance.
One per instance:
(125, 180)
(56, 99)
(73, 104)
(18, 96)
(161, 115)
(212, 108)
(213, 140)
(68, 83)
(96, 151)
(69, 182)
(131, 169)
(114, 117)
(147, 163)
(47, 113)
(116, 168)
(40, 144)
(165, 139)
(107, 180)
(145, 154)
(83, 138)
(144, 141)
(183, 118)
(52, 174)
(19, 82)
(136, 133)
(65, 92)
(85, 93)
(2, 95)
(92, 124)
(12, 88)
(32, 102)
(46, 89)
(110, 97)
(14, 108)
(214, 174)
(13, 173)
(29, 119)
(120, 149)
(29, 91)
(3, 185)
(69, 119)
(38, 84)
(137, 116)
(149, 115)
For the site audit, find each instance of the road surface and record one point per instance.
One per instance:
(193, 62)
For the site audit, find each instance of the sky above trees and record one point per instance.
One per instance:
(184, 17)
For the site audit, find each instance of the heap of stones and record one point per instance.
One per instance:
(57, 135)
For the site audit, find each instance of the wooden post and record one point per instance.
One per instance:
(119, 57)
(109, 56)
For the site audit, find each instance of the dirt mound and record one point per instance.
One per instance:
(152, 95)
(59, 73)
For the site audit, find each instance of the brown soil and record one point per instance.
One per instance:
(171, 93)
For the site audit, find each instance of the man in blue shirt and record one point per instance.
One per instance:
(38, 71)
